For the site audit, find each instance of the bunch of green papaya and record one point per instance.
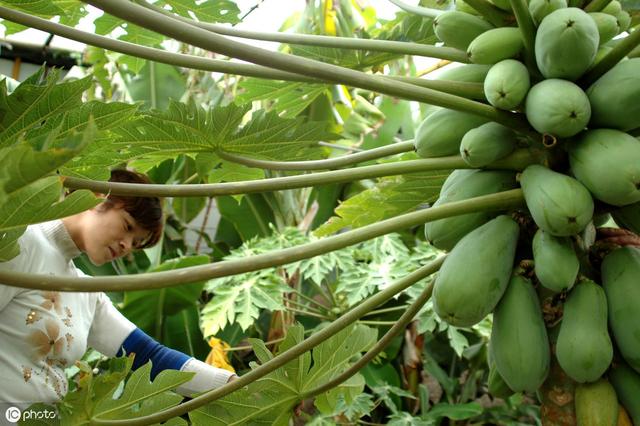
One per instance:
(567, 72)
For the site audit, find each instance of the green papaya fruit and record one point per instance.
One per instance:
(541, 8)
(474, 276)
(584, 349)
(519, 337)
(454, 177)
(458, 29)
(607, 162)
(440, 133)
(445, 233)
(613, 8)
(470, 73)
(607, 26)
(487, 143)
(559, 204)
(557, 107)
(626, 382)
(621, 281)
(628, 217)
(507, 84)
(624, 20)
(463, 6)
(498, 388)
(566, 43)
(556, 263)
(623, 417)
(495, 45)
(596, 404)
(622, 83)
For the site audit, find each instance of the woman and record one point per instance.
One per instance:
(43, 332)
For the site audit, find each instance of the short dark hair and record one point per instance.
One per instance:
(147, 211)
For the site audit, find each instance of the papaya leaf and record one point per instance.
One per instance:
(43, 8)
(103, 115)
(208, 11)
(347, 392)
(35, 101)
(240, 300)
(23, 164)
(142, 397)
(156, 82)
(187, 128)
(289, 99)
(271, 399)
(9, 247)
(148, 308)
(74, 11)
(42, 201)
(388, 198)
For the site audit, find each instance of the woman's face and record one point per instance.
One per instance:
(110, 234)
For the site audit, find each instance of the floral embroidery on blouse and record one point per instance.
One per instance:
(52, 301)
(47, 341)
(69, 338)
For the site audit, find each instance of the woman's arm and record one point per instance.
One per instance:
(113, 334)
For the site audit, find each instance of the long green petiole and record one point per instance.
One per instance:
(210, 41)
(314, 340)
(329, 163)
(491, 13)
(625, 46)
(494, 202)
(528, 30)
(399, 47)
(397, 328)
(418, 10)
(596, 5)
(516, 161)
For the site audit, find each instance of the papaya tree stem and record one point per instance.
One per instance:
(596, 5)
(389, 46)
(216, 43)
(518, 160)
(290, 354)
(625, 46)
(396, 329)
(500, 201)
(329, 163)
(528, 30)
(418, 10)
(491, 13)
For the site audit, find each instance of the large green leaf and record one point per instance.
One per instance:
(141, 397)
(271, 399)
(42, 201)
(9, 247)
(390, 196)
(27, 162)
(35, 101)
(207, 11)
(242, 301)
(148, 308)
(187, 128)
(156, 84)
(102, 396)
(289, 99)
